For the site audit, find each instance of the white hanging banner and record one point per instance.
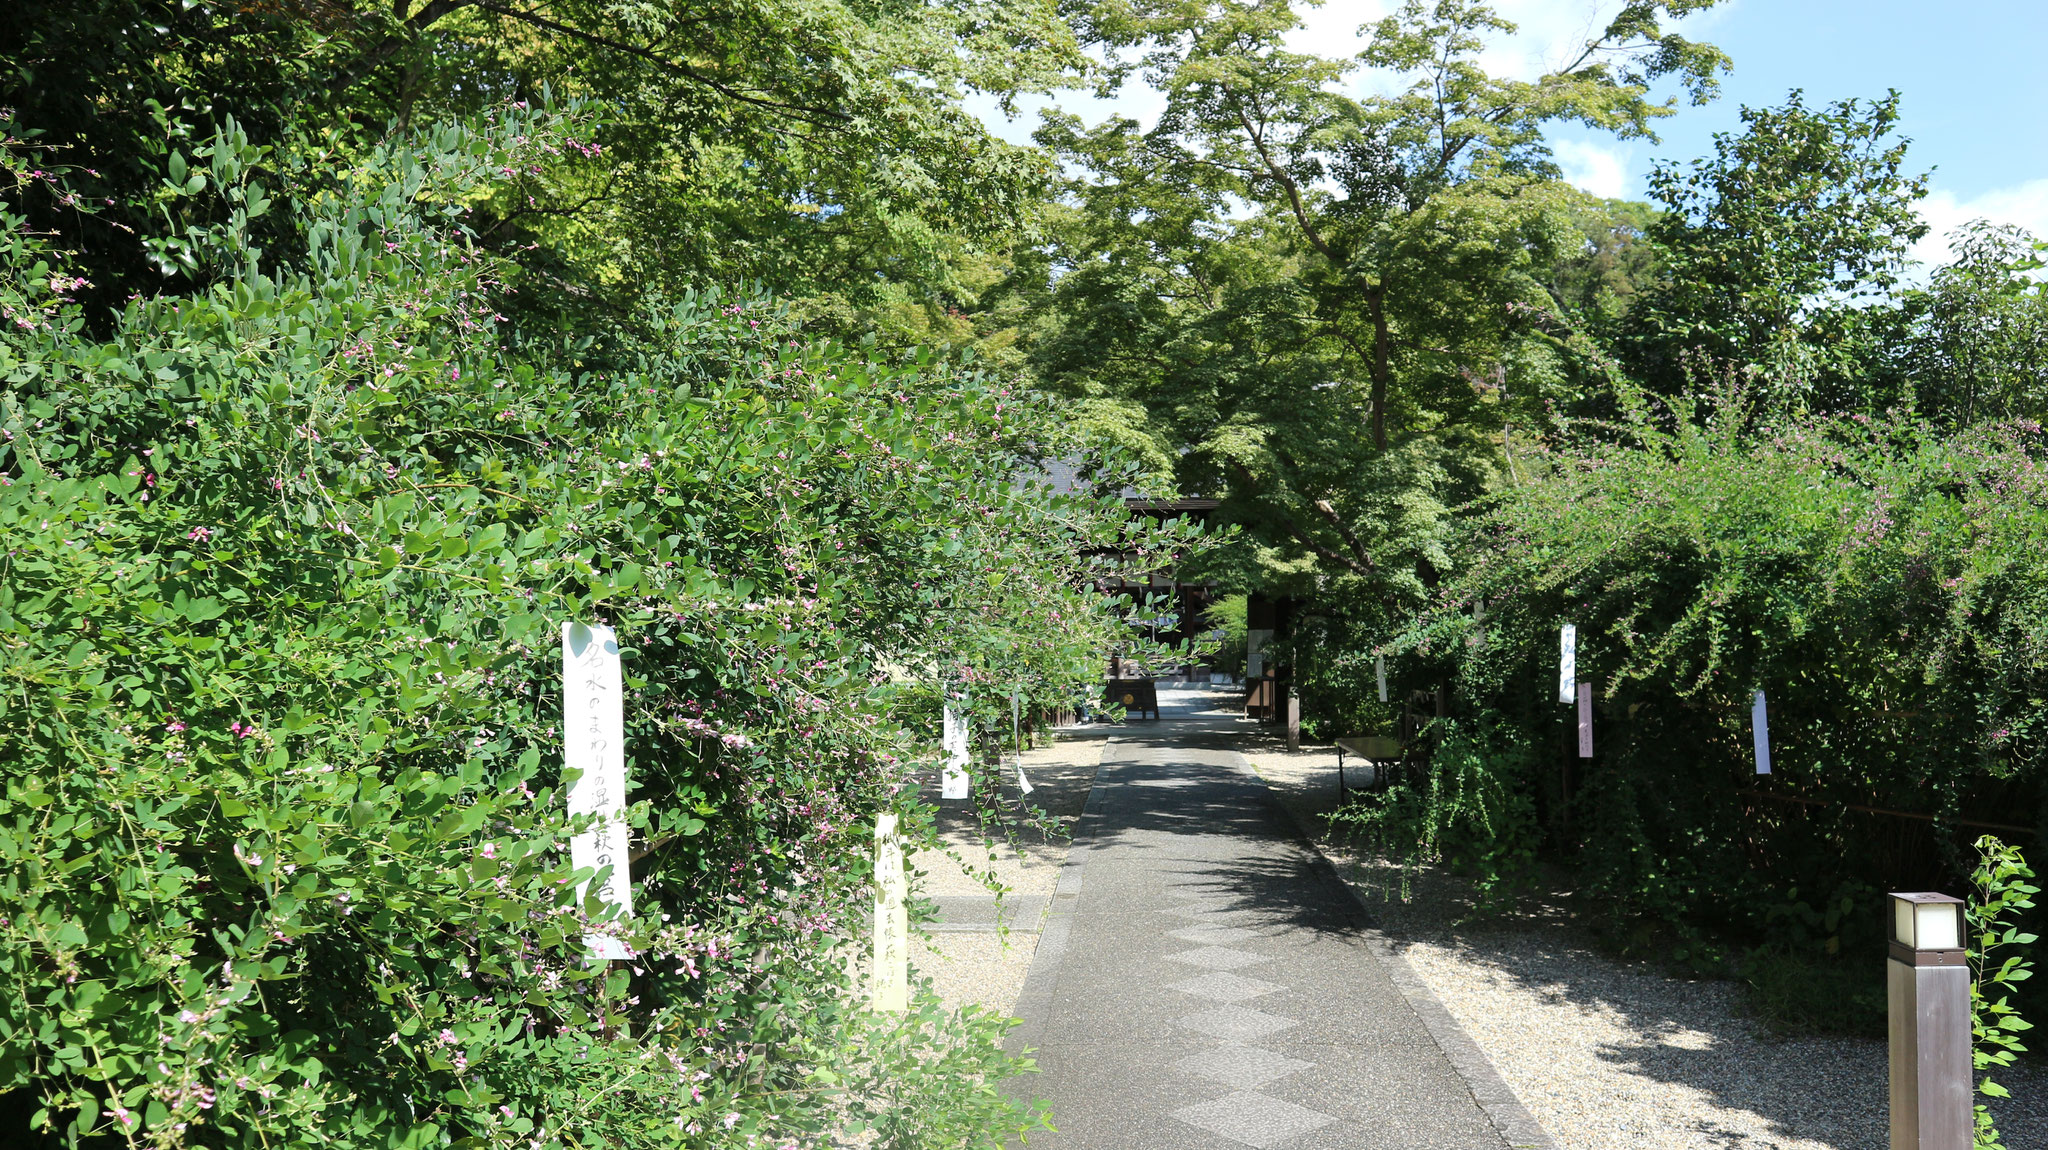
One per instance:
(1379, 669)
(1017, 737)
(953, 783)
(594, 743)
(889, 980)
(1567, 663)
(1760, 730)
(1585, 720)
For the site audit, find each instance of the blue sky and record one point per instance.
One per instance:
(1974, 87)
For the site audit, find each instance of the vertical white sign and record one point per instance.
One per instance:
(1567, 663)
(1585, 720)
(1379, 669)
(953, 783)
(1017, 737)
(1760, 730)
(594, 743)
(889, 981)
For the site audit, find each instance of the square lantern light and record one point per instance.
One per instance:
(1927, 921)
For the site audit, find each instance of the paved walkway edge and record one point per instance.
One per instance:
(1516, 1125)
(1034, 1002)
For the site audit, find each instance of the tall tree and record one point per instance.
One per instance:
(1982, 351)
(1781, 251)
(1358, 288)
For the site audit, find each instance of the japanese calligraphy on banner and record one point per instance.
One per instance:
(953, 783)
(1567, 663)
(889, 981)
(594, 743)
(1760, 731)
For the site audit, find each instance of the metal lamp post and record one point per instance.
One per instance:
(1928, 999)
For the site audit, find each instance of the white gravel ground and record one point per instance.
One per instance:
(989, 969)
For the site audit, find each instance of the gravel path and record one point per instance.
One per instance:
(1609, 1054)
(971, 963)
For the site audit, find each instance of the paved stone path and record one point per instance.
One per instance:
(1204, 980)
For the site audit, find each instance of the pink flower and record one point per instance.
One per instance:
(489, 851)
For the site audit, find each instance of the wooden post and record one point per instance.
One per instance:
(1293, 721)
(889, 980)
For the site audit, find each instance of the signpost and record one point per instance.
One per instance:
(889, 980)
(594, 750)
(1379, 670)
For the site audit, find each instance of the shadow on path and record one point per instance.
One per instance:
(1206, 980)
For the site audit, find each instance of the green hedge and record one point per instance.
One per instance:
(1885, 584)
(282, 843)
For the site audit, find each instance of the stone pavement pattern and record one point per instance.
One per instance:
(1204, 980)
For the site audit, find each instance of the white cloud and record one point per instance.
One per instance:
(1548, 35)
(2025, 205)
(1601, 169)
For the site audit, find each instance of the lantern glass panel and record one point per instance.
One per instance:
(1938, 926)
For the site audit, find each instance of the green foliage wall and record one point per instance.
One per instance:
(1880, 581)
(281, 806)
